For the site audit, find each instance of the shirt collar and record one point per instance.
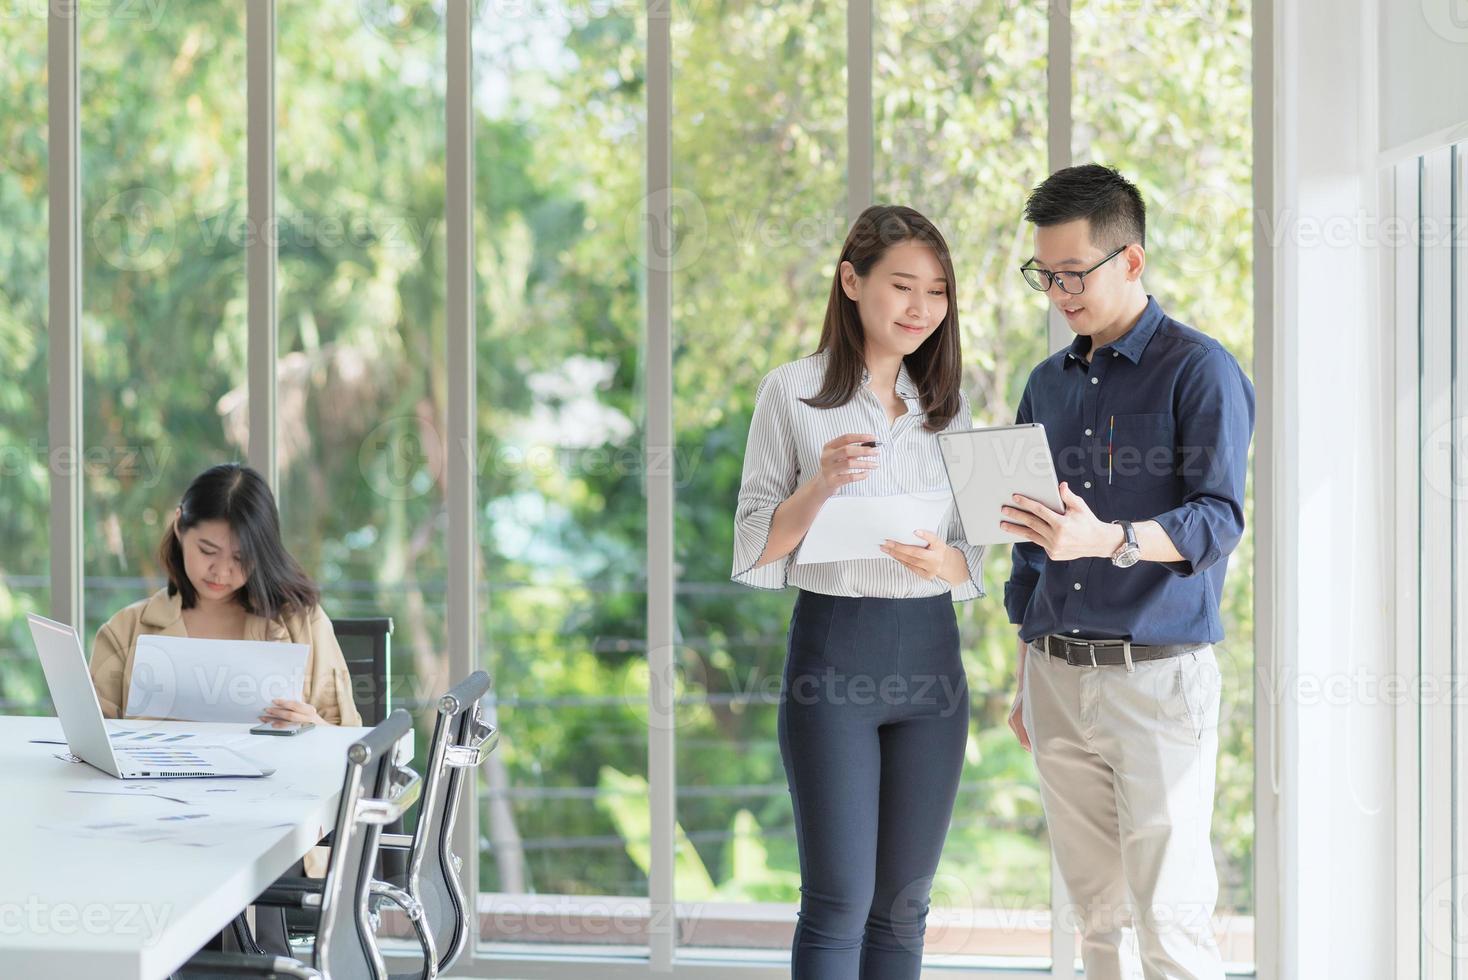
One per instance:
(905, 386)
(165, 612)
(1132, 343)
(162, 610)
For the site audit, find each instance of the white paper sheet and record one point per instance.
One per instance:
(213, 680)
(855, 527)
(179, 828)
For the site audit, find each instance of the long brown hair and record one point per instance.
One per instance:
(937, 366)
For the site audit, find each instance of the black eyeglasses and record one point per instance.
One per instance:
(1073, 283)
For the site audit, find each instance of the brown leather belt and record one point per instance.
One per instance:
(1110, 653)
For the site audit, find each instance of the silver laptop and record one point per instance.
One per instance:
(86, 734)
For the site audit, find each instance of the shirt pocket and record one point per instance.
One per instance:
(1143, 457)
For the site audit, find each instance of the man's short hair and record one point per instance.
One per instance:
(1111, 203)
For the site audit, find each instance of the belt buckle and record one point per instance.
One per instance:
(1126, 652)
(1091, 649)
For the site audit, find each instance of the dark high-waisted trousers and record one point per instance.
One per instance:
(873, 723)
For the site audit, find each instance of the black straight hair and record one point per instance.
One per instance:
(275, 584)
(936, 366)
(1111, 203)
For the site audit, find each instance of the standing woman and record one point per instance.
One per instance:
(230, 578)
(873, 716)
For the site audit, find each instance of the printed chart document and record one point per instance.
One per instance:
(855, 527)
(213, 680)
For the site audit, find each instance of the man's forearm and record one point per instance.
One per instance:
(1155, 544)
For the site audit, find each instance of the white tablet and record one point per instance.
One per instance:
(986, 467)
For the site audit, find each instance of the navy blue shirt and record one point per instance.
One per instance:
(1155, 428)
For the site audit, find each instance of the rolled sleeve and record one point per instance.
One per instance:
(1024, 578)
(771, 473)
(973, 556)
(1026, 559)
(1215, 414)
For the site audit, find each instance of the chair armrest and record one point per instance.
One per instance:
(301, 893)
(212, 964)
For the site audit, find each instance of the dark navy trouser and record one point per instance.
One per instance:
(873, 721)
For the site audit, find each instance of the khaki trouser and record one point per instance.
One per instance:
(1126, 761)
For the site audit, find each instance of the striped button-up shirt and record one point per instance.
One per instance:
(786, 437)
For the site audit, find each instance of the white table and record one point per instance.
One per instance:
(80, 907)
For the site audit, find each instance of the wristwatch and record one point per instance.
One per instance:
(1130, 551)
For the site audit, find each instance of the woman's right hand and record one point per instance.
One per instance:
(845, 460)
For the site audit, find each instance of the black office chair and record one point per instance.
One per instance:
(366, 646)
(346, 946)
(461, 743)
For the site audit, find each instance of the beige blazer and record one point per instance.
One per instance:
(328, 685)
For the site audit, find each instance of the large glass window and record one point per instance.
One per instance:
(559, 111)
(25, 508)
(360, 376)
(163, 271)
(1433, 305)
(961, 124)
(759, 157)
(1168, 101)
(759, 144)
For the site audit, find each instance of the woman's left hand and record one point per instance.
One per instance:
(283, 712)
(926, 561)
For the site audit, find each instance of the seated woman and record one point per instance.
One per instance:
(230, 578)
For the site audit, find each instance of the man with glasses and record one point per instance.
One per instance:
(1117, 599)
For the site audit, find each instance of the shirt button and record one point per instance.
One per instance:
(1075, 631)
(1114, 353)
(1088, 484)
(1088, 432)
(1078, 586)
(1095, 381)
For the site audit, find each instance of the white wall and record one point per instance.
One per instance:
(1424, 69)
(1333, 524)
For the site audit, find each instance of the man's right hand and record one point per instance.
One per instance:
(1016, 711)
